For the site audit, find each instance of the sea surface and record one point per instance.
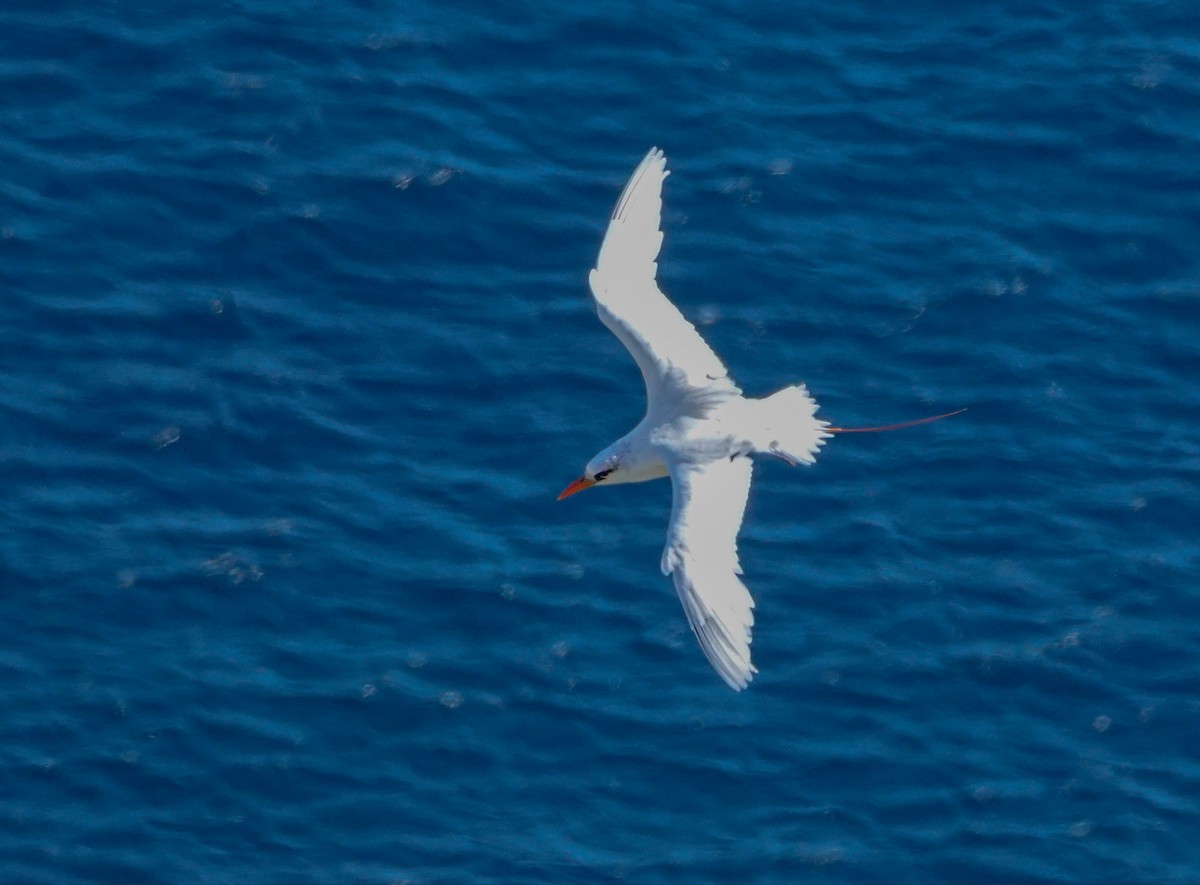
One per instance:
(296, 351)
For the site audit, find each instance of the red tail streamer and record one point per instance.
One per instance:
(899, 426)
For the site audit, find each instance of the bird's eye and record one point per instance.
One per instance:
(603, 473)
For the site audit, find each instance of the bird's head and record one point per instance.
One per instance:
(604, 467)
(626, 460)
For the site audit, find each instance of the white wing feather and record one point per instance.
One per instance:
(709, 501)
(667, 348)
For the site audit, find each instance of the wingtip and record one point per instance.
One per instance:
(739, 680)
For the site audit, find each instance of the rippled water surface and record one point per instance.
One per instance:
(297, 351)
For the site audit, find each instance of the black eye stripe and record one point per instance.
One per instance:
(602, 474)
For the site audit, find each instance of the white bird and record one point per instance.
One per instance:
(698, 428)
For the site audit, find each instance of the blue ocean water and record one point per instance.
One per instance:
(297, 351)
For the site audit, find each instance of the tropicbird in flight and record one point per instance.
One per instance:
(698, 429)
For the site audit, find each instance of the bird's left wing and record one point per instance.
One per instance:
(709, 501)
(667, 348)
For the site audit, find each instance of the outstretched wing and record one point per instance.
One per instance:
(701, 556)
(668, 349)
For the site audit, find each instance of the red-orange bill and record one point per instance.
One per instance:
(578, 486)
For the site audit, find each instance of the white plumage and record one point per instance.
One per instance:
(698, 428)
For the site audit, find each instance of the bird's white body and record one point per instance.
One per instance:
(698, 429)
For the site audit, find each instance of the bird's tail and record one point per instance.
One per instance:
(790, 429)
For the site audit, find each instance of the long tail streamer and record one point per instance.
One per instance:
(899, 426)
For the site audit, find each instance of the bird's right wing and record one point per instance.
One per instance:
(667, 348)
(709, 501)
